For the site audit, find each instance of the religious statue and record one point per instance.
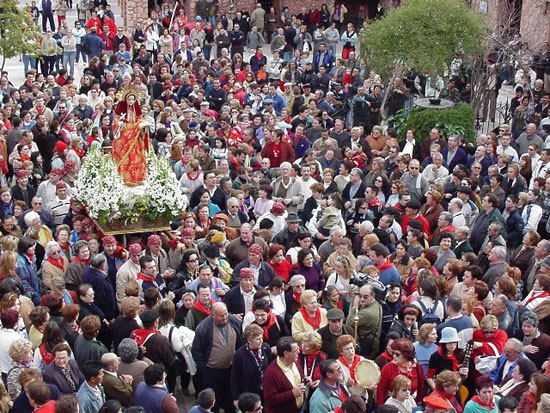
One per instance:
(131, 138)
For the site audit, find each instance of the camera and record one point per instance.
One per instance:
(360, 279)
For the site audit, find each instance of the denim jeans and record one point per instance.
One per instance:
(27, 60)
(80, 52)
(69, 57)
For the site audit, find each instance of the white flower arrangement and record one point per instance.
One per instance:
(101, 189)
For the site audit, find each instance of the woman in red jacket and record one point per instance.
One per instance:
(278, 151)
(403, 363)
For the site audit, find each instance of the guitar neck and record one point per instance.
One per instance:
(467, 353)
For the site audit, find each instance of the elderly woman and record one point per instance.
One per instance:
(64, 372)
(273, 326)
(447, 384)
(75, 270)
(44, 234)
(518, 383)
(401, 395)
(26, 269)
(310, 269)
(488, 339)
(348, 360)
(533, 339)
(263, 272)
(310, 317)
(54, 266)
(250, 363)
(403, 363)
(293, 295)
(21, 354)
(128, 351)
(406, 323)
(310, 358)
(40, 316)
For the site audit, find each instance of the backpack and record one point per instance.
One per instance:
(429, 314)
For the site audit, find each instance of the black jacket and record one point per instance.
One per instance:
(245, 375)
(234, 300)
(202, 343)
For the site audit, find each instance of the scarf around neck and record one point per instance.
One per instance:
(199, 306)
(314, 323)
(57, 264)
(141, 334)
(351, 367)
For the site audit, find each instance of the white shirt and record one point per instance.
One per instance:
(531, 216)
(248, 299)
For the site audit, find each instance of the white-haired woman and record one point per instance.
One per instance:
(43, 233)
(21, 353)
(54, 266)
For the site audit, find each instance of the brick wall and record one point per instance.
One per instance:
(534, 22)
(132, 12)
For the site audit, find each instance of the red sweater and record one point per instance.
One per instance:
(388, 374)
(425, 225)
(278, 396)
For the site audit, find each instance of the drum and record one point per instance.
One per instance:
(367, 373)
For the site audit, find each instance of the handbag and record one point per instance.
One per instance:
(488, 363)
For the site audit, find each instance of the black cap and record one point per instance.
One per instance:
(413, 204)
(211, 251)
(465, 189)
(149, 316)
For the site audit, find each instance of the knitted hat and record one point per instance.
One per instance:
(60, 146)
(57, 171)
(255, 249)
(218, 239)
(134, 249)
(188, 232)
(61, 185)
(246, 273)
(21, 173)
(221, 216)
(154, 240)
(108, 240)
(278, 208)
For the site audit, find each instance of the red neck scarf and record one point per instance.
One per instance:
(490, 405)
(30, 257)
(314, 323)
(191, 178)
(451, 358)
(385, 266)
(80, 152)
(46, 357)
(271, 320)
(208, 311)
(141, 334)
(145, 277)
(351, 368)
(534, 296)
(78, 259)
(57, 264)
(296, 296)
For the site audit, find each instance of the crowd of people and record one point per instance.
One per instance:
(315, 244)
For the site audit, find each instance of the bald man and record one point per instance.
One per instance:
(217, 338)
(116, 387)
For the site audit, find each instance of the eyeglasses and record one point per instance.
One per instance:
(414, 167)
(365, 296)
